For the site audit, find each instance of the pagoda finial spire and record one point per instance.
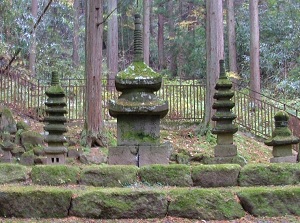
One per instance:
(138, 42)
(222, 68)
(54, 78)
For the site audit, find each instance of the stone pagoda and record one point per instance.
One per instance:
(282, 140)
(225, 150)
(138, 111)
(55, 119)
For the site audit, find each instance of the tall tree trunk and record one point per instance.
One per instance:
(75, 55)
(254, 54)
(214, 52)
(112, 44)
(94, 40)
(146, 31)
(32, 50)
(160, 42)
(173, 54)
(7, 27)
(231, 37)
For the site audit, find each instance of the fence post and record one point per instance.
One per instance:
(38, 96)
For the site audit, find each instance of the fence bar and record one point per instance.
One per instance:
(186, 101)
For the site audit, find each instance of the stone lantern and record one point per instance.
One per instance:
(138, 111)
(55, 119)
(282, 140)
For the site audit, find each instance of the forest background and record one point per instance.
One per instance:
(177, 40)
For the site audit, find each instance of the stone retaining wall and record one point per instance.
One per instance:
(221, 175)
(104, 192)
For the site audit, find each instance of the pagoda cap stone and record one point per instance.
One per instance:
(281, 119)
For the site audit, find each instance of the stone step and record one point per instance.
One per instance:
(147, 202)
(205, 176)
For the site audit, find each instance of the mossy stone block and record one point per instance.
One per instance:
(168, 175)
(109, 176)
(271, 201)
(22, 125)
(13, 173)
(205, 204)
(54, 175)
(269, 174)
(120, 203)
(221, 175)
(30, 139)
(32, 202)
(7, 122)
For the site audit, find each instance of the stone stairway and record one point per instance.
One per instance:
(208, 192)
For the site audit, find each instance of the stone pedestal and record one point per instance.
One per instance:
(138, 111)
(282, 140)
(55, 119)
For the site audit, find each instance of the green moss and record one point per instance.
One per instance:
(56, 89)
(12, 173)
(109, 176)
(218, 167)
(120, 203)
(139, 137)
(138, 70)
(34, 202)
(269, 174)
(29, 153)
(221, 175)
(171, 175)
(54, 175)
(6, 112)
(21, 125)
(208, 204)
(270, 201)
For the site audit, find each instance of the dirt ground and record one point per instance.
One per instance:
(246, 219)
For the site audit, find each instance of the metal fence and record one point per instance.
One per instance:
(186, 102)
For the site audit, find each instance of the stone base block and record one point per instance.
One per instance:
(225, 150)
(56, 159)
(226, 139)
(284, 159)
(236, 160)
(282, 151)
(123, 155)
(153, 155)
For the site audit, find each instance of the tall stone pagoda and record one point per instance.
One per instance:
(55, 119)
(225, 150)
(282, 140)
(138, 111)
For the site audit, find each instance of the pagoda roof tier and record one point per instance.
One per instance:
(224, 129)
(224, 94)
(138, 75)
(223, 104)
(153, 107)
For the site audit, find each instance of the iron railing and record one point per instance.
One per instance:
(186, 102)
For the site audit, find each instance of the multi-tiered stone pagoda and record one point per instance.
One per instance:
(55, 119)
(225, 150)
(138, 111)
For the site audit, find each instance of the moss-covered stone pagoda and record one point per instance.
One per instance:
(55, 119)
(225, 151)
(138, 111)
